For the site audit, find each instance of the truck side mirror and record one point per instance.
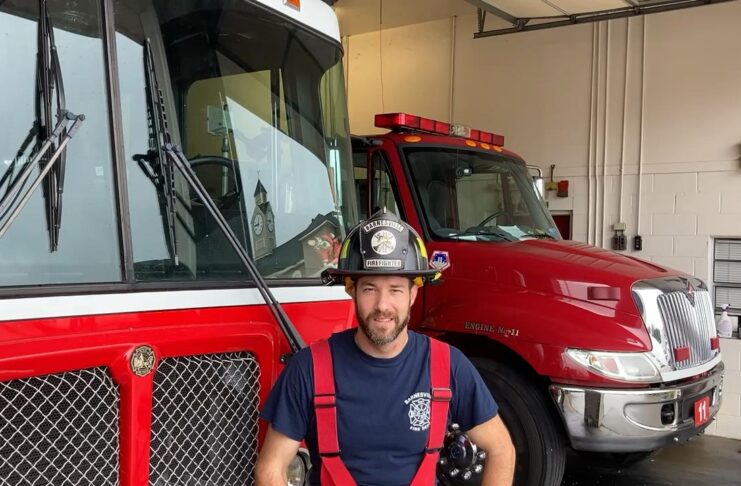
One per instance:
(538, 180)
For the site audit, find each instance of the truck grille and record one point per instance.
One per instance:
(60, 430)
(204, 420)
(688, 325)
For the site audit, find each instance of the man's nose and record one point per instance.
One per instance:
(383, 303)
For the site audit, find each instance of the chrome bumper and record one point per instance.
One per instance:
(609, 420)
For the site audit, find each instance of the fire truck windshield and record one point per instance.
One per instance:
(477, 196)
(256, 102)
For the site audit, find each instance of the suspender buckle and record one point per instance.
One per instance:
(329, 454)
(441, 394)
(324, 401)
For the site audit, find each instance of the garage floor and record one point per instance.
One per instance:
(704, 461)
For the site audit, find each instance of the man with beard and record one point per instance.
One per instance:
(373, 403)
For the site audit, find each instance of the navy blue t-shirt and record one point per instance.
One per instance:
(382, 406)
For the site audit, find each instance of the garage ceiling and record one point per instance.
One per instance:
(361, 16)
(495, 17)
(527, 15)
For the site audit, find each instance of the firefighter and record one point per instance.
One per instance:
(373, 404)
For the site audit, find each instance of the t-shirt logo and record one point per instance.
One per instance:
(419, 411)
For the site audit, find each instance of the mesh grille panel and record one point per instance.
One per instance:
(204, 420)
(689, 325)
(59, 430)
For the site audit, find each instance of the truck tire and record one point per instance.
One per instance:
(531, 422)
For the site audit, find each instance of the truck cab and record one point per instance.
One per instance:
(581, 347)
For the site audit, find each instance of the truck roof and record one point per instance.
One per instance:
(413, 137)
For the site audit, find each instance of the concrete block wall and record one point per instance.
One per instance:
(680, 216)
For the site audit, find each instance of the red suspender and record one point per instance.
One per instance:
(334, 472)
(439, 403)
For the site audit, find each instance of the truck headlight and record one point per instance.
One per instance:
(298, 469)
(619, 366)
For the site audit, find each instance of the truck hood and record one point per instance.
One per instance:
(576, 270)
(567, 269)
(596, 260)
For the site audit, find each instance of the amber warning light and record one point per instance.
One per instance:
(293, 3)
(404, 121)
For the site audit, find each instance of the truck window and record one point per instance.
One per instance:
(88, 241)
(252, 118)
(477, 196)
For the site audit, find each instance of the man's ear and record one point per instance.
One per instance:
(413, 294)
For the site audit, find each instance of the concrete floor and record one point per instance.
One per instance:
(703, 461)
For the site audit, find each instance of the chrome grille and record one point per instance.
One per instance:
(204, 420)
(688, 325)
(59, 430)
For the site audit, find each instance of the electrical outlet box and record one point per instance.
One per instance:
(618, 227)
(619, 242)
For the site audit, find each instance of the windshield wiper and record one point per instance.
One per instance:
(154, 163)
(539, 236)
(167, 157)
(488, 231)
(53, 147)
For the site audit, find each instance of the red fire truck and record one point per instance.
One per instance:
(582, 347)
(160, 161)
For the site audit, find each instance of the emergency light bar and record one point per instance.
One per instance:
(396, 121)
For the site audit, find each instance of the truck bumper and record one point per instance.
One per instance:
(609, 420)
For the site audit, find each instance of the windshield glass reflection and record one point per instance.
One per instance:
(478, 196)
(258, 105)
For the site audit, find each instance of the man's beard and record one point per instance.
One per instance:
(375, 337)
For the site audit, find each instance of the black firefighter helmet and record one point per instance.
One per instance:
(381, 245)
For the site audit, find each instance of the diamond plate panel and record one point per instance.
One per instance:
(60, 430)
(204, 420)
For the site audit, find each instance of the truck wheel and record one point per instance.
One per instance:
(540, 447)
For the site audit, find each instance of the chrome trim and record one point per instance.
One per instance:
(671, 376)
(677, 312)
(612, 420)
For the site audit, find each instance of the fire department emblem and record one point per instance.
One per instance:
(383, 242)
(440, 260)
(142, 360)
(419, 411)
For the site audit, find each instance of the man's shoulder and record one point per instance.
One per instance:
(300, 361)
(456, 355)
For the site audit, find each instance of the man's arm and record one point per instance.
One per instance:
(492, 437)
(277, 452)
